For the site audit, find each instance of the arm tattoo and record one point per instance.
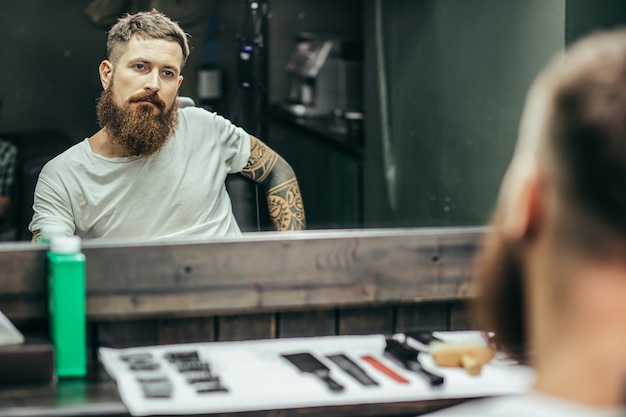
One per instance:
(284, 200)
(261, 162)
(36, 235)
(286, 207)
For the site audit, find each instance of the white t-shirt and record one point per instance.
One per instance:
(178, 191)
(533, 404)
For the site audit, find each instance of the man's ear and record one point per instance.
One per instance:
(180, 80)
(106, 73)
(524, 205)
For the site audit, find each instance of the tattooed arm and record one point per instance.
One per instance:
(284, 200)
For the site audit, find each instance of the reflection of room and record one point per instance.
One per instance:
(327, 163)
(399, 118)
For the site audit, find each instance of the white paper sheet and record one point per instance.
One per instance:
(9, 335)
(258, 378)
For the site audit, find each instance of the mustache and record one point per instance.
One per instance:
(150, 97)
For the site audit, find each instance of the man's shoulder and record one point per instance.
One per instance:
(193, 115)
(65, 160)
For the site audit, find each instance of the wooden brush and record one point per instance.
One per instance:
(468, 356)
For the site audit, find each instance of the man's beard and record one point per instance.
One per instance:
(138, 131)
(500, 304)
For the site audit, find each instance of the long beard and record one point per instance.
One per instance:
(500, 307)
(138, 131)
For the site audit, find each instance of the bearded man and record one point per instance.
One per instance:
(154, 170)
(552, 275)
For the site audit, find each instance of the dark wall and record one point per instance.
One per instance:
(585, 16)
(49, 73)
(456, 76)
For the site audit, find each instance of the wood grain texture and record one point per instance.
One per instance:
(462, 316)
(126, 333)
(246, 327)
(307, 323)
(366, 320)
(99, 398)
(185, 330)
(255, 274)
(23, 287)
(426, 316)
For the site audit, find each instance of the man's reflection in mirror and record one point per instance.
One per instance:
(155, 170)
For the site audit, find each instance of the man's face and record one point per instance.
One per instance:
(138, 106)
(146, 66)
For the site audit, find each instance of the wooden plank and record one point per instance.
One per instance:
(307, 270)
(366, 320)
(122, 334)
(185, 330)
(23, 289)
(100, 397)
(461, 316)
(246, 327)
(427, 316)
(307, 323)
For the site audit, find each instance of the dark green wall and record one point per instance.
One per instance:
(49, 72)
(457, 75)
(585, 16)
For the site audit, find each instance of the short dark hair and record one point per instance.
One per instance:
(587, 131)
(146, 25)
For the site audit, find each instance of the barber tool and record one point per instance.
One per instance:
(210, 386)
(352, 369)
(143, 366)
(408, 358)
(142, 377)
(140, 362)
(425, 337)
(157, 389)
(155, 384)
(136, 357)
(385, 369)
(182, 356)
(471, 357)
(193, 366)
(199, 376)
(308, 363)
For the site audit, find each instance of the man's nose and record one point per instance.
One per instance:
(153, 81)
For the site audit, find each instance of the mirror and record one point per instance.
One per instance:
(443, 84)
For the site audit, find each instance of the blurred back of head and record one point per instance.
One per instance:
(573, 138)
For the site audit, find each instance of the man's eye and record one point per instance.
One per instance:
(140, 67)
(168, 74)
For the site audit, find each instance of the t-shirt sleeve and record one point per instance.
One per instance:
(234, 143)
(51, 207)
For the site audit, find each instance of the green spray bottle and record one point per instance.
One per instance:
(66, 280)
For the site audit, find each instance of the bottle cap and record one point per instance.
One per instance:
(65, 244)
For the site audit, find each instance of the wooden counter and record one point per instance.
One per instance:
(100, 398)
(263, 285)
